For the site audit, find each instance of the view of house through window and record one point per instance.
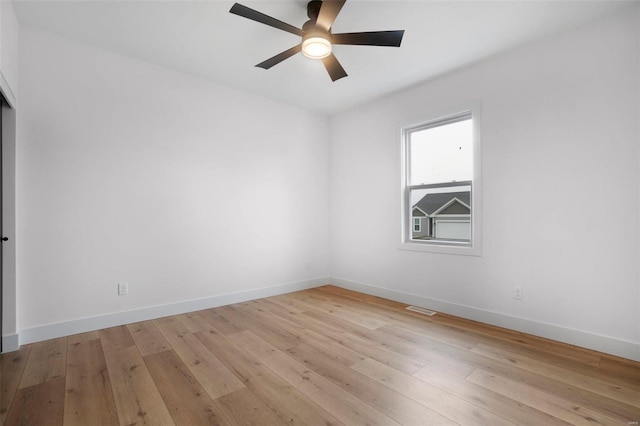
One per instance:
(439, 166)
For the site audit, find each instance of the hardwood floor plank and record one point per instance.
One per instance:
(46, 361)
(136, 396)
(289, 304)
(338, 353)
(627, 372)
(83, 337)
(458, 331)
(238, 361)
(270, 304)
(88, 395)
(334, 400)
(186, 400)
(542, 401)
(336, 309)
(245, 408)
(443, 353)
(452, 366)
(213, 317)
(116, 338)
(430, 334)
(212, 374)
(373, 313)
(351, 337)
(147, 337)
(427, 350)
(192, 322)
(13, 364)
(305, 335)
(508, 408)
(595, 385)
(609, 407)
(421, 325)
(617, 377)
(463, 333)
(279, 338)
(256, 310)
(197, 321)
(574, 353)
(393, 404)
(456, 409)
(40, 404)
(434, 327)
(422, 350)
(289, 404)
(365, 298)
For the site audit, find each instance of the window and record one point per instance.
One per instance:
(441, 185)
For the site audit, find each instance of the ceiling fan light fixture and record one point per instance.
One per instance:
(315, 46)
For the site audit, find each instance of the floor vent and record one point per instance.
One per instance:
(421, 310)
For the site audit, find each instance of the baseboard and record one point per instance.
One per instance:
(81, 325)
(10, 343)
(596, 342)
(609, 345)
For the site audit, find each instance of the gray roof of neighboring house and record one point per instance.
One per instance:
(432, 202)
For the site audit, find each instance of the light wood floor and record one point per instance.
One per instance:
(322, 356)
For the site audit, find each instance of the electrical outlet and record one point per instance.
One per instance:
(517, 293)
(123, 289)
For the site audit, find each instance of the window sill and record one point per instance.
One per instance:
(464, 250)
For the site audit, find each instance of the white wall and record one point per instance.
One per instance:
(560, 144)
(128, 172)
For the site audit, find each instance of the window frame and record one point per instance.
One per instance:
(472, 248)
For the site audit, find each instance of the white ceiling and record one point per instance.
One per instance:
(203, 39)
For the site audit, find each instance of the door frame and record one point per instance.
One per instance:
(10, 339)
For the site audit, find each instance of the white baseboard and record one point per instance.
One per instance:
(10, 343)
(81, 325)
(609, 345)
(596, 342)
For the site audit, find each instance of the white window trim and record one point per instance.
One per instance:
(444, 247)
(419, 224)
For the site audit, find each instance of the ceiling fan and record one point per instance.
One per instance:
(317, 38)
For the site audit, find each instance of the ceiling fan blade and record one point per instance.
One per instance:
(372, 38)
(328, 13)
(254, 15)
(335, 70)
(280, 57)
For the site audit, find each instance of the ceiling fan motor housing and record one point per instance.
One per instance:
(313, 9)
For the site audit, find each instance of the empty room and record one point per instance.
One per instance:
(320, 212)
